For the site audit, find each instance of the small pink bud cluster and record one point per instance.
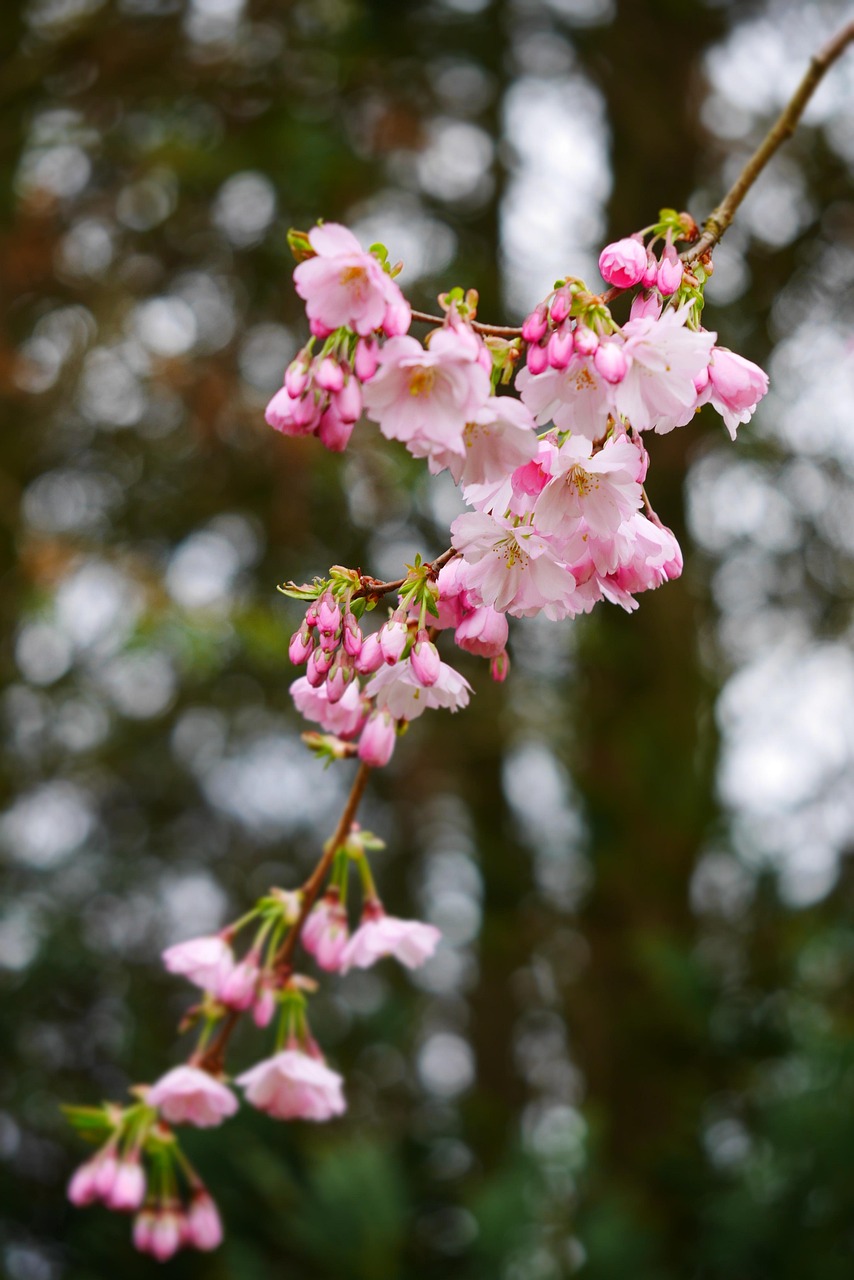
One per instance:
(166, 1226)
(338, 691)
(116, 1181)
(627, 263)
(210, 963)
(321, 396)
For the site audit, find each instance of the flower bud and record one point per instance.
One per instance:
(484, 632)
(333, 431)
(301, 645)
(623, 262)
(128, 1189)
(586, 340)
(83, 1186)
(352, 636)
(645, 304)
(166, 1234)
(376, 744)
(318, 330)
(348, 401)
(329, 375)
(264, 1007)
(499, 667)
(610, 360)
(535, 324)
(424, 660)
(328, 613)
(143, 1230)
(669, 272)
(701, 381)
(203, 1227)
(238, 989)
(371, 657)
(398, 318)
(560, 347)
(365, 363)
(296, 377)
(393, 637)
(338, 679)
(537, 358)
(317, 668)
(649, 279)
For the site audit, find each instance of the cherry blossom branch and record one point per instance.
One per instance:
(314, 883)
(372, 589)
(721, 217)
(212, 1059)
(491, 330)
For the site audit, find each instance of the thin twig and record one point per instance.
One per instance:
(491, 330)
(372, 589)
(312, 886)
(721, 217)
(212, 1059)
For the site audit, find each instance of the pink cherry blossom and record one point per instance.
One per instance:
(623, 263)
(651, 557)
(513, 568)
(325, 932)
(665, 356)
(188, 1095)
(205, 961)
(409, 941)
(166, 1234)
(577, 398)
(203, 1227)
(398, 691)
(735, 387)
(345, 286)
(499, 437)
(293, 1085)
(83, 1185)
(425, 397)
(424, 660)
(238, 990)
(669, 276)
(602, 487)
(343, 718)
(128, 1190)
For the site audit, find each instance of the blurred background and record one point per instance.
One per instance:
(634, 1054)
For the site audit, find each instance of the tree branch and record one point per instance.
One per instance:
(721, 217)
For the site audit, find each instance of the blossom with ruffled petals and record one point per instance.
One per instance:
(665, 356)
(425, 397)
(577, 398)
(293, 1085)
(345, 286)
(398, 691)
(188, 1095)
(735, 387)
(602, 487)
(206, 962)
(343, 718)
(512, 567)
(411, 942)
(498, 438)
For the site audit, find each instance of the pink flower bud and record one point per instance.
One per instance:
(317, 668)
(376, 744)
(649, 279)
(371, 657)
(499, 667)
(128, 1189)
(301, 645)
(203, 1227)
(105, 1176)
(328, 612)
(535, 324)
(143, 1231)
(337, 681)
(398, 317)
(393, 637)
(333, 431)
(348, 401)
(238, 990)
(352, 636)
(560, 347)
(610, 360)
(586, 340)
(645, 304)
(83, 1186)
(329, 375)
(561, 306)
(318, 330)
(296, 377)
(365, 363)
(537, 358)
(424, 660)
(623, 263)
(264, 1007)
(166, 1235)
(669, 272)
(325, 932)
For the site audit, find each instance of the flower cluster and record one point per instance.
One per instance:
(543, 431)
(139, 1166)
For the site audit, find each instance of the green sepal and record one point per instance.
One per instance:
(92, 1123)
(300, 245)
(308, 590)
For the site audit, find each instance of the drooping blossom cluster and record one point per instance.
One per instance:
(543, 433)
(139, 1166)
